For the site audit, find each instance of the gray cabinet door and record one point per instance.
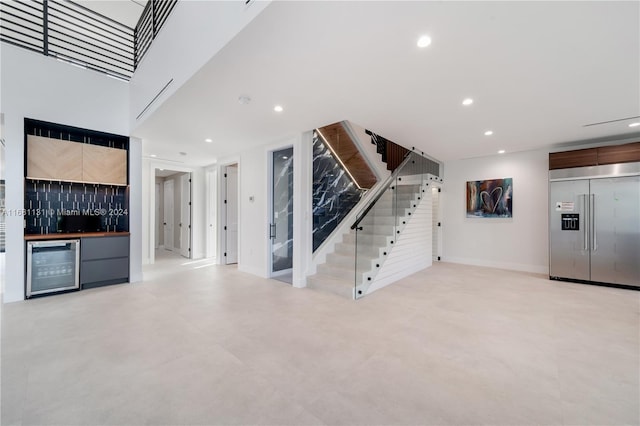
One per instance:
(104, 260)
(615, 243)
(94, 271)
(569, 248)
(104, 247)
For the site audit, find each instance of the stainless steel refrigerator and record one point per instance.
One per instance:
(594, 224)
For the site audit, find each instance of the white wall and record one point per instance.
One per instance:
(192, 34)
(135, 210)
(42, 88)
(254, 217)
(519, 243)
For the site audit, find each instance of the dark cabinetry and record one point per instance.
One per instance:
(628, 153)
(577, 158)
(614, 154)
(104, 261)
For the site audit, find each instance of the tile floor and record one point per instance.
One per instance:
(203, 344)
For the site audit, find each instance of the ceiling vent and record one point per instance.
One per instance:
(610, 121)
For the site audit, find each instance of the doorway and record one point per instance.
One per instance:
(281, 225)
(173, 212)
(168, 210)
(230, 226)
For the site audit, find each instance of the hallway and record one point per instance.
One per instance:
(198, 343)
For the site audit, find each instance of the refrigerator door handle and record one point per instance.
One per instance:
(592, 210)
(586, 221)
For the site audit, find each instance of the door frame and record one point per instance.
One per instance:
(148, 240)
(156, 215)
(270, 151)
(221, 218)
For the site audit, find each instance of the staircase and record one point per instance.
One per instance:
(355, 262)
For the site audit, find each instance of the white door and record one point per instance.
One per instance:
(168, 215)
(211, 214)
(185, 215)
(158, 224)
(231, 226)
(436, 225)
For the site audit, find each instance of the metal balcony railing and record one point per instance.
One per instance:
(75, 34)
(152, 19)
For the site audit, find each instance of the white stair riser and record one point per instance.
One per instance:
(344, 275)
(350, 249)
(376, 240)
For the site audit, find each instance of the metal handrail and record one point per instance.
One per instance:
(382, 189)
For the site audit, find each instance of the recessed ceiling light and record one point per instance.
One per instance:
(488, 133)
(634, 124)
(502, 151)
(467, 102)
(208, 140)
(424, 41)
(278, 108)
(153, 156)
(284, 157)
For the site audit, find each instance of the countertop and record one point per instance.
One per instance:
(37, 237)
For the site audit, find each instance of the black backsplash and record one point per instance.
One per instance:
(45, 201)
(75, 134)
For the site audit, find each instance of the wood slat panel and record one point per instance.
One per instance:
(627, 153)
(104, 165)
(347, 151)
(69, 160)
(41, 155)
(395, 155)
(578, 158)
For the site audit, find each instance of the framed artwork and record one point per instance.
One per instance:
(490, 198)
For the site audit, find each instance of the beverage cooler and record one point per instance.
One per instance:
(52, 266)
(594, 224)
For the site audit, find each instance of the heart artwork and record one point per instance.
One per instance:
(490, 200)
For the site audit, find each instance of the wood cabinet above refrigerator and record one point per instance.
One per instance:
(611, 154)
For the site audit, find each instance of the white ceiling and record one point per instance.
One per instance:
(124, 11)
(538, 72)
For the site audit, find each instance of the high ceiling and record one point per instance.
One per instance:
(124, 11)
(538, 72)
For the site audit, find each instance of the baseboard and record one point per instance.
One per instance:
(252, 270)
(535, 269)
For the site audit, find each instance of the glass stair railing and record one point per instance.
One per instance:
(377, 228)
